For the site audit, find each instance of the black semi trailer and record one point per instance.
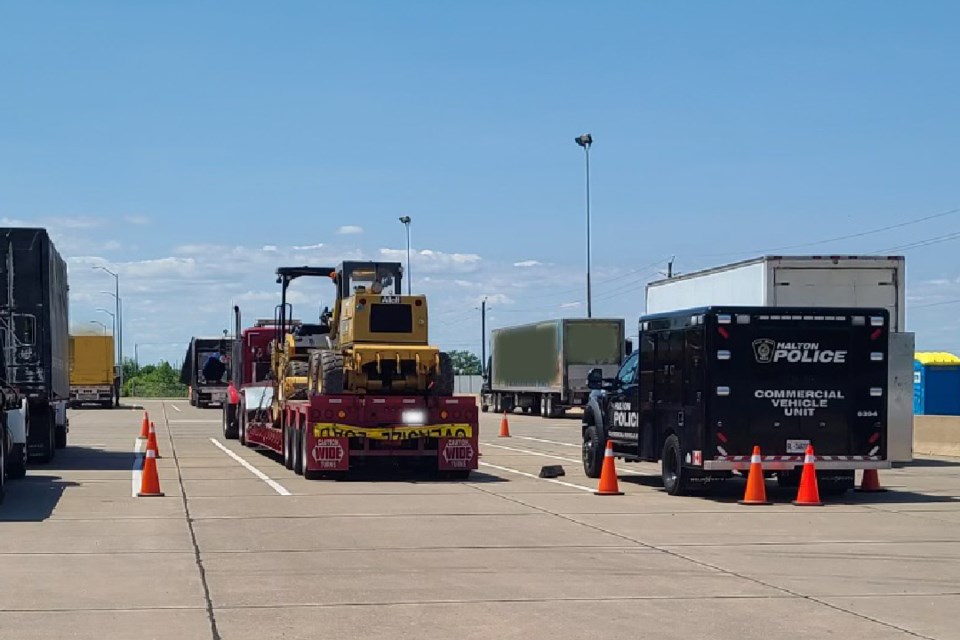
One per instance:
(707, 385)
(34, 335)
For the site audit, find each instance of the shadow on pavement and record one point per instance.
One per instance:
(33, 498)
(732, 490)
(932, 462)
(75, 458)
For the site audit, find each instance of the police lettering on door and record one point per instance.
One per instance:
(624, 420)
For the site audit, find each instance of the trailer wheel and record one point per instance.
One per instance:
(61, 437)
(308, 474)
(592, 452)
(287, 446)
(17, 461)
(3, 465)
(675, 479)
(230, 430)
(331, 371)
(298, 438)
(42, 424)
(242, 423)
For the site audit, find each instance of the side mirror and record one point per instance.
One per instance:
(595, 379)
(628, 347)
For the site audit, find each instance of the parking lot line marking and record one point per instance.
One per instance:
(273, 484)
(530, 475)
(176, 408)
(562, 444)
(137, 473)
(627, 472)
(198, 421)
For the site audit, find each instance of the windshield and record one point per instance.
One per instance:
(372, 279)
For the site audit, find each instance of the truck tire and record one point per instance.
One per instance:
(229, 421)
(60, 436)
(331, 372)
(287, 447)
(592, 452)
(675, 480)
(298, 369)
(445, 382)
(307, 473)
(298, 442)
(3, 465)
(42, 423)
(17, 462)
(242, 422)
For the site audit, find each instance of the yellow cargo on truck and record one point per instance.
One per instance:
(93, 376)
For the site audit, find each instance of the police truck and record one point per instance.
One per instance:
(706, 385)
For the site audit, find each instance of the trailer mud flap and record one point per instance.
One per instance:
(457, 453)
(330, 454)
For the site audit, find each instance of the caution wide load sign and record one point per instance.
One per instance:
(330, 430)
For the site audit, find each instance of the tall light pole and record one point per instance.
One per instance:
(406, 222)
(113, 317)
(585, 141)
(101, 324)
(119, 312)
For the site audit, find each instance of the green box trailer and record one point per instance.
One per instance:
(542, 367)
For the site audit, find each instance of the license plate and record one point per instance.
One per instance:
(87, 396)
(797, 446)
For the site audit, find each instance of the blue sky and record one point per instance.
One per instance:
(193, 145)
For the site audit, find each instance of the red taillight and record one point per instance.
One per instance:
(723, 332)
(876, 334)
(874, 438)
(722, 438)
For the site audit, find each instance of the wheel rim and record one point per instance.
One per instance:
(589, 449)
(671, 467)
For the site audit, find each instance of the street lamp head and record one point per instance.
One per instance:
(584, 141)
(405, 219)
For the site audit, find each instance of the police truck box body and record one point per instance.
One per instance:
(813, 281)
(542, 367)
(705, 386)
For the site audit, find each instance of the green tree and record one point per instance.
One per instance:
(465, 363)
(152, 381)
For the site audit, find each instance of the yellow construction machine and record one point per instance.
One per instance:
(375, 340)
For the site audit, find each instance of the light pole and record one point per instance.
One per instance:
(101, 324)
(113, 317)
(406, 222)
(119, 312)
(585, 141)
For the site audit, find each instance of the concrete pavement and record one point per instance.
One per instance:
(504, 555)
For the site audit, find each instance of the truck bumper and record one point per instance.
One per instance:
(325, 453)
(789, 463)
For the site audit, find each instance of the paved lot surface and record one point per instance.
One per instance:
(505, 555)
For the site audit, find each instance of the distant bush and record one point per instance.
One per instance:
(154, 381)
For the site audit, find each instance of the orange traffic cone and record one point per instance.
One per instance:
(870, 482)
(809, 493)
(152, 441)
(504, 426)
(149, 481)
(756, 492)
(145, 427)
(608, 485)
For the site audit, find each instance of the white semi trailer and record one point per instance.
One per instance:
(813, 281)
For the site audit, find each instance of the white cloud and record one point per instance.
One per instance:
(496, 298)
(76, 222)
(349, 230)
(570, 305)
(527, 263)
(137, 219)
(308, 247)
(269, 248)
(431, 261)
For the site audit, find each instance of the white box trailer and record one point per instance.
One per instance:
(813, 281)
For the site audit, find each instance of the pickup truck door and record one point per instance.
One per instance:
(622, 410)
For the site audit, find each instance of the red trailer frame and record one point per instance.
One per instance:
(333, 434)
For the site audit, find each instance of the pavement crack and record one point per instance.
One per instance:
(705, 565)
(211, 615)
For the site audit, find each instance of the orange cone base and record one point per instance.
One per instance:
(807, 504)
(608, 493)
(754, 502)
(870, 482)
(150, 495)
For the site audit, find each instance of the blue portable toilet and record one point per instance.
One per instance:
(936, 384)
